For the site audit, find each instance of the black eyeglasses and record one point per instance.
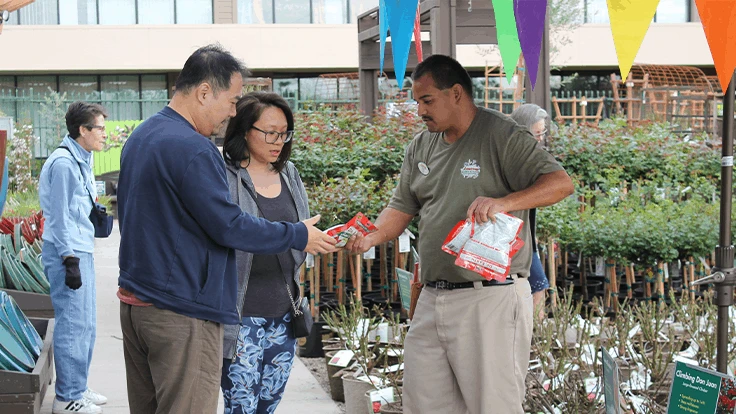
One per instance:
(273, 136)
(100, 127)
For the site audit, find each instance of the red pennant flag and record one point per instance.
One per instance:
(418, 35)
(719, 23)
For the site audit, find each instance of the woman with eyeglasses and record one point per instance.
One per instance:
(537, 120)
(259, 352)
(66, 189)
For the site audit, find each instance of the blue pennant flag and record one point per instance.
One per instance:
(401, 15)
(382, 28)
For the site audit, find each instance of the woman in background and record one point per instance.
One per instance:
(537, 120)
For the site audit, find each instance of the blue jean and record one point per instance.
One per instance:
(75, 328)
(537, 278)
(254, 381)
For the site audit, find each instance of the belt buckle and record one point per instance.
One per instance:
(442, 284)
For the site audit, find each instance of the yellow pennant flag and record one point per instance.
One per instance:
(629, 23)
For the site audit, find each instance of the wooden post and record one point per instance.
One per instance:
(384, 262)
(552, 271)
(327, 271)
(316, 285)
(359, 276)
(614, 285)
(302, 276)
(369, 268)
(340, 276)
(310, 276)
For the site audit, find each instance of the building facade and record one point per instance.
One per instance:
(113, 50)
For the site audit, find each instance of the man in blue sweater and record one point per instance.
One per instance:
(178, 227)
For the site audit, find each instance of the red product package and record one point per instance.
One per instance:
(358, 224)
(493, 263)
(486, 248)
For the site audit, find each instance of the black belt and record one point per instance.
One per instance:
(445, 285)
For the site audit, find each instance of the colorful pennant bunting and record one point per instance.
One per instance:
(382, 29)
(508, 36)
(530, 15)
(719, 23)
(418, 34)
(401, 17)
(630, 21)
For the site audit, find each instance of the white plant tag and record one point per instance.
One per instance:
(341, 358)
(310, 261)
(370, 254)
(404, 242)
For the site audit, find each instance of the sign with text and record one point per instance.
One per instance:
(698, 390)
(404, 287)
(611, 384)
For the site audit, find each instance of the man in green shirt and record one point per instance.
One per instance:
(467, 350)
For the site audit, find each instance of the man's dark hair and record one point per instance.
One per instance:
(212, 64)
(446, 72)
(248, 111)
(82, 114)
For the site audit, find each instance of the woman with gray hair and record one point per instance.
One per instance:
(537, 120)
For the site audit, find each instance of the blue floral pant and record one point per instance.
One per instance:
(254, 381)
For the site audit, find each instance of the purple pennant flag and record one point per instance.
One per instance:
(530, 16)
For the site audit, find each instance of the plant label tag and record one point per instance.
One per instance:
(370, 254)
(310, 261)
(341, 358)
(381, 397)
(404, 243)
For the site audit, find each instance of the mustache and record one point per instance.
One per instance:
(427, 118)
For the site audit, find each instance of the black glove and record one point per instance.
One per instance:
(73, 275)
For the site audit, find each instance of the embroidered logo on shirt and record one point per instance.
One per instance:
(470, 169)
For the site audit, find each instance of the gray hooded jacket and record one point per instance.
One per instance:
(236, 178)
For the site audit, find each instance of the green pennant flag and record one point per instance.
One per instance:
(508, 36)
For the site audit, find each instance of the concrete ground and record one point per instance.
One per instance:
(107, 376)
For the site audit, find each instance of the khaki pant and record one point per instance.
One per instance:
(173, 363)
(467, 350)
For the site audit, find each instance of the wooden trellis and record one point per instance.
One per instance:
(579, 110)
(495, 90)
(627, 97)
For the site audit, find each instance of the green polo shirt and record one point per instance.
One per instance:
(494, 158)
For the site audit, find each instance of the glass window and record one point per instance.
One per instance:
(255, 11)
(36, 85)
(82, 87)
(156, 11)
(194, 11)
(117, 12)
(672, 11)
(329, 11)
(154, 95)
(358, 7)
(307, 88)
(349, 89)
(288, 89)
(7, 84)
(75, 12)
(40, 12)
(596, 11)
(292, 11)
(120, 96)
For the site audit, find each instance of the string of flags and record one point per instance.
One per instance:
(520, 28)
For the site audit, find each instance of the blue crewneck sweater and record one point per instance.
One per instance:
(178, 226)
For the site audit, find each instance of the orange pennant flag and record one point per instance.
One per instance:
(719, 23)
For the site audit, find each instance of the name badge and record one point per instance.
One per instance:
(423, 168)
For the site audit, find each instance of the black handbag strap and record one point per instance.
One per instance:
(286, 281)
(80, 170)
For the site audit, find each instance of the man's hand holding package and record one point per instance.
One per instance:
(485, 208)
(318, 242)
